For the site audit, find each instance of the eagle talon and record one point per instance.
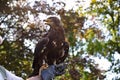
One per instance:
(44, 66)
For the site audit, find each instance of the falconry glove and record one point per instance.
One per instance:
(52, 71)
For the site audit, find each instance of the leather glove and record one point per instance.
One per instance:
(52, 71)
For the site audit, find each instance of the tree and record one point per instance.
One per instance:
(107, 12)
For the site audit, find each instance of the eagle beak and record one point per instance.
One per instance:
(47, 21)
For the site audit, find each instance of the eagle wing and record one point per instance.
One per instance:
(64, 52)
(39, 54)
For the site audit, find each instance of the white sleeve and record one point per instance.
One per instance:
(11, 76)
(1, 77)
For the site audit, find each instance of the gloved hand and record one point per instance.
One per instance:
(52, 71)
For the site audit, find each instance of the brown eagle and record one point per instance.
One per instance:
(52, 48)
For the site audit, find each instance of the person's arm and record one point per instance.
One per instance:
(35, 78)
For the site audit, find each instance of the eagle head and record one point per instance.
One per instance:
(53, 22)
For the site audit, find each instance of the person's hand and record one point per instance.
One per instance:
(52, 71)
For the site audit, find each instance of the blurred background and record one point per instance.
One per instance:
(92, 29)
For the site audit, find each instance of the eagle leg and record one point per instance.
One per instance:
(45, 65)
(55, 62)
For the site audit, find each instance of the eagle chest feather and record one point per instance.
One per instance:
(56, 39)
